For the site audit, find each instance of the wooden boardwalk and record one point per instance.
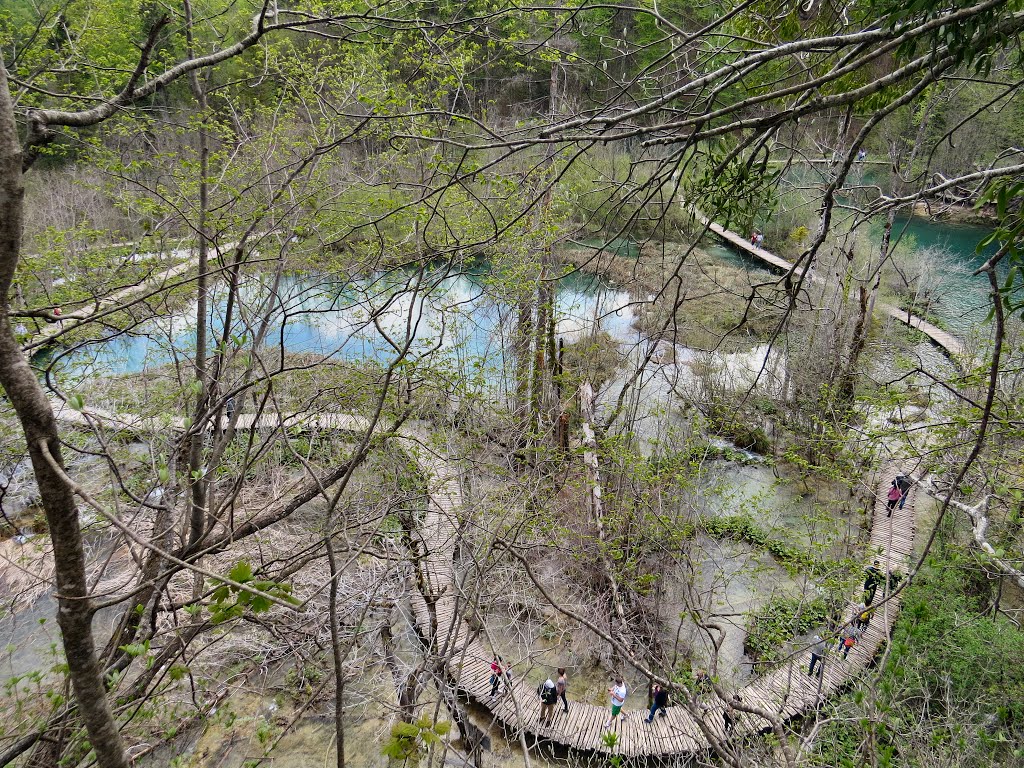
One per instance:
(267, 422)
(949, 343)
(787, 690)
(75, 318)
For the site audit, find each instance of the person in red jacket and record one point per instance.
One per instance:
(893, 498)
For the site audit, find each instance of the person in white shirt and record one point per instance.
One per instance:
(617, 694)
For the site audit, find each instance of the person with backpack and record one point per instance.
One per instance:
(847, 640)
(659, 701)
(561, 685)
(904, 483)
(863, 617)
(617, 697)
(873, 576)
(893, 497)
(548, 698)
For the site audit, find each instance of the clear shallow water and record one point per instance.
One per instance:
(462, 317)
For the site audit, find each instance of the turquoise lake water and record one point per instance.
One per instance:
(464, 317)
(461, 317)
(959, 300)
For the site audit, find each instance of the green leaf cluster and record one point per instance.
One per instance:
(952, 688)
(228, 601)
(782, 619)
(410, 741)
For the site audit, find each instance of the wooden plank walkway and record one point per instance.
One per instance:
(78, 317)
(825, 161)
(72, 320)
(266, 422)
(949, 343)
(787, 690)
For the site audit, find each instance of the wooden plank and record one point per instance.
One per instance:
(577, 723)
(600, 716)
(787, 689)
(630, 733)
(949, 343)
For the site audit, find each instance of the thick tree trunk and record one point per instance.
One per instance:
(523, 355)
(75, 612)
(537, 403)
(337, 654)
(621, 37)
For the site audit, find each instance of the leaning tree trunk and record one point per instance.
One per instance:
(75, 610)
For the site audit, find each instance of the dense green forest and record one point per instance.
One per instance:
(367, 366)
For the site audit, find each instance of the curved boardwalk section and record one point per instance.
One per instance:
(787, 690)
(439, 614)
(266, 422)
(946, 341)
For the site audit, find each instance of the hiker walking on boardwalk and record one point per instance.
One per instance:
(873, 576)
(561, 685)
(904, 483)
(617, 697)
(863, 617)
(497, 673)
(893, 579)
(548, 698)
(659, 701)
(895, 494)
(817, 652)
(847, 639)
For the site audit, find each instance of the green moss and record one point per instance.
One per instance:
(779, 621)
(743, 528)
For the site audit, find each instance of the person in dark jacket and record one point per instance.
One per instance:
(873, 576)
(660, 702)
(817, 652)
(904, 483)
(548, 698)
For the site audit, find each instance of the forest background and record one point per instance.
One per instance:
(231, 164)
